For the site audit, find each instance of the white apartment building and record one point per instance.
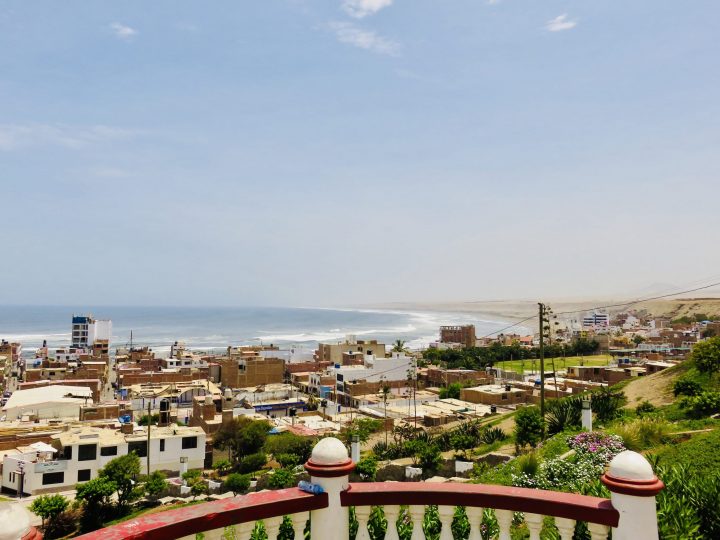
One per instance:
(86, 330)
(596, 320)
(78, 454)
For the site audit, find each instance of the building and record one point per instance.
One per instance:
(78, 454)
(86, 331)
(56, 401)
(244, 367)
(596, 320)
(333, 352)
(494, 394)
(464, 335)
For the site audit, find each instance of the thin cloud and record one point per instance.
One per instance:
(122, 31)
(20, 136)
(560, 23)
(364, 39)
(362, 8)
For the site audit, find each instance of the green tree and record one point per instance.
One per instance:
(237, 483)
(638, 339)
(706, 355)
(289, 443)
(529, 427)
(154, 485)
(399, 346)
(430, 459)
(287, 461)
(95, 497)
(122, 471)
(451, 392)
(242, 437)
(49, 507)
(198, 488)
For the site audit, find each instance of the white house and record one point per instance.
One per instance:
(78, 454)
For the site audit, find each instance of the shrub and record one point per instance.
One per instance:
(367, 468)
(237, 483)
(528, 427)
(491, 435)
(607, 404)
(287, 461)
(452, 391)
(597, 447)
(282, 478)
(564, 414)
(645, 408)
(154, 485)
(252, 463)
(289, 443)
(644, 433)
(222, 466)
(429, 459)
(704, 404)
(686, 387)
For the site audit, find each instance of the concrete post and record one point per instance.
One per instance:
(586, 415)
(329, 466)
(633, 486)
(355, 448)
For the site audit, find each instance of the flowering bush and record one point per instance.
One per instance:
(596, 447)
(593, 451)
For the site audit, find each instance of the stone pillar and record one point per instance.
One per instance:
(329, 466)
(633, 486)
(15, 520)
(355, 448)
(586, 415)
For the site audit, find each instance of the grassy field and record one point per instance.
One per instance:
(560, 363)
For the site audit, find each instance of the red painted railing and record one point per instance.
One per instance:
(548, 503)
(203, 517)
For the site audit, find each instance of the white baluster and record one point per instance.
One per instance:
(534, 523)
(244, 530)
(474, 515)
(362, 513)
(417, 513)
(391, 515)
(504, 519)
(598, 532)
(272, 527)
(566, 527)
(299, 521)
(446, 517)
(215, 534)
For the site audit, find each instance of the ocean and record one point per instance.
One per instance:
(213, 328)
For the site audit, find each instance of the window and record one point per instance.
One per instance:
(83, 475)
(108, 451)
(66, 452)
(139, 447)
(87, 452)
(162, 445)
(53, 478)
(12, 477)
(189, 442)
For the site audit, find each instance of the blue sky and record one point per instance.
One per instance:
(298, 152)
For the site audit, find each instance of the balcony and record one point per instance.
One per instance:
(629, 513)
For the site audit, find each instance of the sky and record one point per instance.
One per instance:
(344, 152)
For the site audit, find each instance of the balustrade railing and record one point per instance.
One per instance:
(630, 512)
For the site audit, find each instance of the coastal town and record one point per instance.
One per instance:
(69, 411)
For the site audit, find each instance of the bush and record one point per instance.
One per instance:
(607, 404)
(367, 469)
(154, 485)
(492, 435)
(282, 478)
(451, 392)
(429, 459)
(704, 404)
(237, 483)
(644, 433)
(251, 463)
(528, 427)
(564, 414)
(686, 387)
(222, 466)
(154, 419)
(645, 408)
(287, 461)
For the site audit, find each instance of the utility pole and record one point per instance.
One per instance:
(148, 436)
(541, 321)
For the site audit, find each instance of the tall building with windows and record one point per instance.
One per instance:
(86, 331)
(596, 320)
